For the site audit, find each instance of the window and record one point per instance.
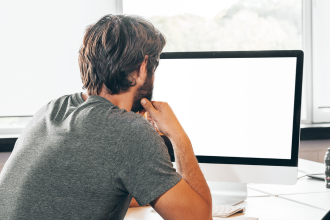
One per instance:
(321, 64)
(212, 25)
(39, 45)
(45, 59)
(224, 25)
(13, 125)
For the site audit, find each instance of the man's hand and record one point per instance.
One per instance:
(162, 117)
(147, 116)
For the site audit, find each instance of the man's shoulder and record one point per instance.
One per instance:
(64, 101)
(74, 98)
(127, 123)
(140, 139)
(137, 123)
(138, 128)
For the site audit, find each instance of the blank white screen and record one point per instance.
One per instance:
(235, 107)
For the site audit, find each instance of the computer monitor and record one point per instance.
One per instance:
(241, 111)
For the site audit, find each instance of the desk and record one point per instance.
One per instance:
(309, 192)
(265, 208)
(307, 200)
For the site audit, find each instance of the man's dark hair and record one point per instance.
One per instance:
(113, 48)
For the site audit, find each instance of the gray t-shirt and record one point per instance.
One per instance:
(81, 159)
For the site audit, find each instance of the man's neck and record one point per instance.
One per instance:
(123, 100)
(84, 96)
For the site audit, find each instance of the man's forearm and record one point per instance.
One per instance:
(188, 168)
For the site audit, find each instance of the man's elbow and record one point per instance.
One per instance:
(207, 210)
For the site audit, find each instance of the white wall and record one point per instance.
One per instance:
(39, 47)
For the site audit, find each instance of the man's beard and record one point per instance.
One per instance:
(145, 91)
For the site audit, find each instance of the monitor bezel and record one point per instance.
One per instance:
(293, 162)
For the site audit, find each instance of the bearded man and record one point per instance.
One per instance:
(86, 155)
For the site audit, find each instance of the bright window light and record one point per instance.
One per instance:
(232, 25)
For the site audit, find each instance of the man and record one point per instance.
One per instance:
(85, 156)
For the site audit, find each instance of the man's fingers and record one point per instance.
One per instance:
(148, 106)
(148, 116)
(142, 112)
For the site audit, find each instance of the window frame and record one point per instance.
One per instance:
(320, 65)
(12, 130)
(119, 7)
(307, 48)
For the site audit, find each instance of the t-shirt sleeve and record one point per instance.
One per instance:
(146, 170)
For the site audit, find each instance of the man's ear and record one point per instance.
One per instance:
(143, 69)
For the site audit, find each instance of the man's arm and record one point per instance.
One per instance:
(191, 197)
(134, 203)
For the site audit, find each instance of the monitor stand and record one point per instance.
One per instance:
(226, 193)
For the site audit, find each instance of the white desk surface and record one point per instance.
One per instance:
(264, 208)
(317, 200)
(255, 193)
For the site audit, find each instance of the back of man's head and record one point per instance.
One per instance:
(113, 48)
